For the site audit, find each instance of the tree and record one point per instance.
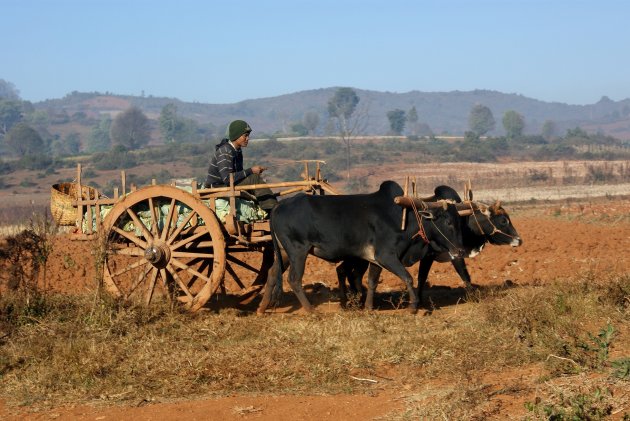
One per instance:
(424, 130)
(341, 108)
(343, 104)
(8, 91)
(481, 120)
(189, 131)
(513, 123)
(311, 121)
(299, 129)
(170, 123)
(72, 143)
(99, 140)
(10, 114)
(412, 119)
(24, 140)
(397, 120)
(549, 129)
(130, 129)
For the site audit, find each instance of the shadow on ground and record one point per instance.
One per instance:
(325, 299)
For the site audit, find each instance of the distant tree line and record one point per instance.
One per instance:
(129, 138)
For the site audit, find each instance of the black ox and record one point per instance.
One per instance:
(363, 226)
(480, 224)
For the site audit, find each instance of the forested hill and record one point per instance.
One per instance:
(441, 112)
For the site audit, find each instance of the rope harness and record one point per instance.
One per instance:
(495, 230)
(421, 231)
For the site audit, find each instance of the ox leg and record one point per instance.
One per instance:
(423, 274)
(460, 266)
(353, 270)
(360, 267)
(296, 271)
(398, 269)
(273, 286)
(373, 274)
(342, 274)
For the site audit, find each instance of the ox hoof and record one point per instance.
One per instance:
(471, 287)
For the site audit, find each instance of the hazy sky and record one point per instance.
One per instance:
(571, 51)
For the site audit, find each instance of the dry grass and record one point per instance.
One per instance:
(60, 349)
(574, 334)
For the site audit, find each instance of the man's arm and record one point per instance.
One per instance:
(225, 162)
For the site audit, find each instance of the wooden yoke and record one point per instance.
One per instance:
(463, 209)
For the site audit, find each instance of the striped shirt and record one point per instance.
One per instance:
(226, 160)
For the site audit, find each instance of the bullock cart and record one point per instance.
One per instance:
(177, 241)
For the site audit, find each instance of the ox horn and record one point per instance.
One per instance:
(465, 212)
(468, 194)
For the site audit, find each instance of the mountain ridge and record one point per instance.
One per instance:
(443, 112)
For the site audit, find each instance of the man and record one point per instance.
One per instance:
(228, 159)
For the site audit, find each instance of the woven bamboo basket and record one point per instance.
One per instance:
(61, 197)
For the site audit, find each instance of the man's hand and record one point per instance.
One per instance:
(258, 169)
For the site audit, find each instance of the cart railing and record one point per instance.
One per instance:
(89, 205)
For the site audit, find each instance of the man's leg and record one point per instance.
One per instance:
(266, 197)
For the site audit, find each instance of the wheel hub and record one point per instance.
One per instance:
(158, 254)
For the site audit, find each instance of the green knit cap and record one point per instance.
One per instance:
(237, 128)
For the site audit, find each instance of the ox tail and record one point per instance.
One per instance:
(278, 268)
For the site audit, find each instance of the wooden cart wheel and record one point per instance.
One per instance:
(162, 241)
(246, 271)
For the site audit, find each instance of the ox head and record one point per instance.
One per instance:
(442, 225)
(493, 222)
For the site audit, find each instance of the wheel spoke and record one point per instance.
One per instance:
(192, 255)
(190, 270)
(180, 227)
(154, 218)
(132, 266)
(241, 263)
(130, 251)
(230, 270)
(179, 281)
(202, 267)
(188, 240)
(168, 221)
(141, 277)
(164, 275)
(145, 232)
(131, 237)
(151, 287)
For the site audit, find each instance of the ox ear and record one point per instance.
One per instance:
(485, 209)
(495, 206)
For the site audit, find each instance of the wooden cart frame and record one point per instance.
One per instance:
(163, 240)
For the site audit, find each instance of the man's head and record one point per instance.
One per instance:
(238, 128)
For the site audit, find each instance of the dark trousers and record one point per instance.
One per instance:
(266, 197)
